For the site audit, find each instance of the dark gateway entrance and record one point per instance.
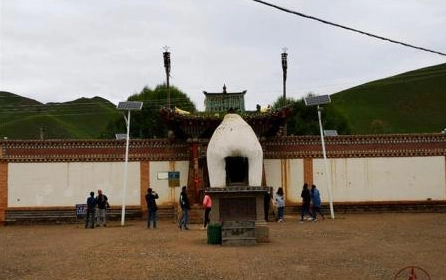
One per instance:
(237, 171)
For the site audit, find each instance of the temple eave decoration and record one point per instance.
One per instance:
(202, 125)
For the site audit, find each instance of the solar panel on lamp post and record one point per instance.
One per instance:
(320, 100)
(121, 136)
(127, 106)
(330, 132)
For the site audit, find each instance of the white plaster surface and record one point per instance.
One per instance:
(67, 184)
(234, 138)
(167, 195)
(294, 177)
(295, 180)
(353, 180)
(383, 179)
(272, 173)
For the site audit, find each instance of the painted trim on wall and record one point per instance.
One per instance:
(3, 190)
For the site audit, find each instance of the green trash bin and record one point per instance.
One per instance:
(214, 233)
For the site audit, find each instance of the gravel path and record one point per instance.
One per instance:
(356, 246)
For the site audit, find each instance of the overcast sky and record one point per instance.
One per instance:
(60, 50)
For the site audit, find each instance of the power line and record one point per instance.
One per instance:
(347, 28)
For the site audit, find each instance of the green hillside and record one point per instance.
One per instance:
(24, 118)
(412, 102)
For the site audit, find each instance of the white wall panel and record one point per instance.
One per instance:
(167, 194)
(295, 180)
(295, 173)
(66, 184)
(383, 179)
(272, 173)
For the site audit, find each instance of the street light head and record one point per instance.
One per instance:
(317, 100)
(129, 106)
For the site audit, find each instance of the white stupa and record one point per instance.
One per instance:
(234, 138)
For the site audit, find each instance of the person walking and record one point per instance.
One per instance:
(306, 200)
(316, 200)
(185, 207)
(91, 208)
(102, 204)
(207, 205)
(152, 208)
(280, 203)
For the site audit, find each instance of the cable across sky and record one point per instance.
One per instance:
(348, 28)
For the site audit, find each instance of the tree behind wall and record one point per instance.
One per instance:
(147, 123)
(304, 119)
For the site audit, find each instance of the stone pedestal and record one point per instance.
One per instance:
(240, 205)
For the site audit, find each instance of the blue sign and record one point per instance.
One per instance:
(173, 175)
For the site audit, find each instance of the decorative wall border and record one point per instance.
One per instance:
(3, 191)
(344, 146)
(357, 146)
(91, 150)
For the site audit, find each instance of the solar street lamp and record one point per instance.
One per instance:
(127, 106)
(320, 100)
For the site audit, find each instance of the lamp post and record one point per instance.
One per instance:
(127, 106)
(319, 100)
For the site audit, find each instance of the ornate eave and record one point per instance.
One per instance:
(265, 125)
(224, 93)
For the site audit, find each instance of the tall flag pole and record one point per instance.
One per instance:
(284, 68)
(166, 56)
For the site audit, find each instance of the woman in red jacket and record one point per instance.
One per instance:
(207, 205)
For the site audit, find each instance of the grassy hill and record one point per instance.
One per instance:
(24, 118)
(412, 102)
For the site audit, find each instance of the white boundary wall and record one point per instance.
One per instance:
(353, 180)
(365, 179)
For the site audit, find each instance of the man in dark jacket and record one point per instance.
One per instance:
(152, 208)
(91, 208)
(306, 200)
(185, 207)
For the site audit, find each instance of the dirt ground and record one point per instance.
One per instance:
(352, 246)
